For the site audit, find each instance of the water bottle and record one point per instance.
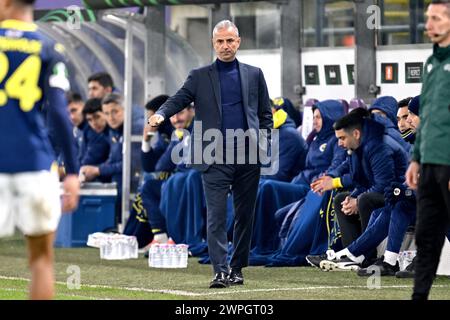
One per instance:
(183, 255)
(165, 256)
(178, 253)
(154, 257)
(172, 253)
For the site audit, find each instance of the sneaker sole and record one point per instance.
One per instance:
(327, 265)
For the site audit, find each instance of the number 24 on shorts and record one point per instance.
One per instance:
(23, 83)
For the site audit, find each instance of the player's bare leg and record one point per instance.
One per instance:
(40, 255)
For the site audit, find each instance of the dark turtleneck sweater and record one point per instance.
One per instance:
(233, 114)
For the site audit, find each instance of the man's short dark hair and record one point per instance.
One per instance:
(92, 106)
(103, 78)
(113, 98)
(404, 102)
(73, 97)
(156, 102)
(352, 121)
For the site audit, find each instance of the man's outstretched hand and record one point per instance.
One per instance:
(155, 120)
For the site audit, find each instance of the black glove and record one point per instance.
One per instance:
(398, 192)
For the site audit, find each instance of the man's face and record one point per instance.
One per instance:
(97, 121)
(317, 120)
(349, 141)
(226, 43)
(182, 119)
(402, 115)
(96, 90)
(75, 112)
(114, 114)
(438, 24)
(413, 121)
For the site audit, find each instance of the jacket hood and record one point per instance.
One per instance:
(388, 105)
(386, 122)
(331, 111)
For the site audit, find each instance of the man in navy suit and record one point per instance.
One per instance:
(229, 97)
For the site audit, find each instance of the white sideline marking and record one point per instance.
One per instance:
(200, 294)
(70, 295)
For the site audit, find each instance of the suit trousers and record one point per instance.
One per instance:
(218, 180)
(433, 217)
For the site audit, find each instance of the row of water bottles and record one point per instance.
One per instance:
(168, 255)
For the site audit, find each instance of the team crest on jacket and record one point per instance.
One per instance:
(447, 67)
(322, 147)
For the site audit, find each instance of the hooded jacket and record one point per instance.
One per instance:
(376, 163)
(112, 167)
(324, 154)
(292, 150)
(389, 106)
(94, 147)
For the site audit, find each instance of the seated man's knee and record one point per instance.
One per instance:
(371, 200)
(364, 201)
(337, 202)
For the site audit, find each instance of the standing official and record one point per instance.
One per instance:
(429, 170)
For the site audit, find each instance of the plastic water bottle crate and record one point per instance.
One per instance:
(168, 256)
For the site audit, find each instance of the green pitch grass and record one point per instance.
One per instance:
(133, 279)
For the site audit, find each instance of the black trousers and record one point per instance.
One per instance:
(217, 180)
(354, 225)
(433, 218)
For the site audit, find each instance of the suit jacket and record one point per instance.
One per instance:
(203, 88)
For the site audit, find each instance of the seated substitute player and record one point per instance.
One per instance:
(95, 146)
(33, 74)
(403, 125)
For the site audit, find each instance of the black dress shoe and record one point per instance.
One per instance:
(236, 277)
(220, 281)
